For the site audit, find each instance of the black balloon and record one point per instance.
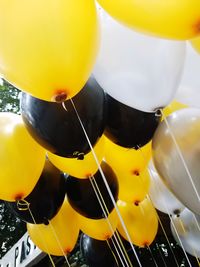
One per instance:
(98, 253)
(59, 130)
(46, 198)
(81, 195)
(129, 127)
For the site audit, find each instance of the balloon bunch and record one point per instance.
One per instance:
(78, 156)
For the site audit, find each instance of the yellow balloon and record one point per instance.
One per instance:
(48, 48)
(63, 227)
(80, 168)
(172, 107)
(21, 158)
(196, 44)
(125, 160)
(178, 19)
(101, 229)
(133, 187)
(141, 222)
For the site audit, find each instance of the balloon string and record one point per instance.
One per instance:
(160, 222)
(177, 235)
(180, 154)
(197, 223)
(152, 256)
(23, 202)
(106, 184)
(58, 242)
(113, 251)
(106, 214)
(116, 234)
(161, 255)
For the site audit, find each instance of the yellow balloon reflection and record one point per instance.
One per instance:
(80, 168)
(196, 44)
(101, 229)
(48, 48)
(172, 107)
(60, 235)
(21, 158)
(141, 222)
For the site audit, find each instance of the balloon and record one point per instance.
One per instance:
(185, 126)
(141, 222)
(63, 227)
(21, 159)
(124, 160)
(101, 229)
(48, 50)
(176, 20)
(80, 168)
(46, 198)
(99, 253)
(82, 197)
(188, 91)
(133, 187)
(196, 44)
(160, 195)
(59, 130)
(137, 70)
(129, 127)
(188, 229)
(172, 107)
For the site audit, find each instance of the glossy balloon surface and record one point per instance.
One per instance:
(188, 91)
(140, 71)
(82, 197)
(141, 222)
(80, 168)
(99, 253)
(59, 130)
(171, 160)
(46, 198)
(100, 229)
(124, 160)
(129, 127)
(21, 158)
(169, 19)
(161, 196)
(48, 50)
(64, 226)
(133, 187)
(186, 232)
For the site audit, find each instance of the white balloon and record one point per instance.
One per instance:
(140, 71)
(189, 89)
(187, 232)
(160, 195)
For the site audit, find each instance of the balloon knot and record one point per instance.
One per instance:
(60, 96)
(176, 212)
(136, 172)
(67, 251)
(107, 236)
(19, 197)
(45, 221)
(146, 244)
(136, 203)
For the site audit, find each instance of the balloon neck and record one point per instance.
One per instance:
(177, 212)
(79, 155)
(136, 203)
(136, 173)
(61, 96)
(158, 112)
(45, 221)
